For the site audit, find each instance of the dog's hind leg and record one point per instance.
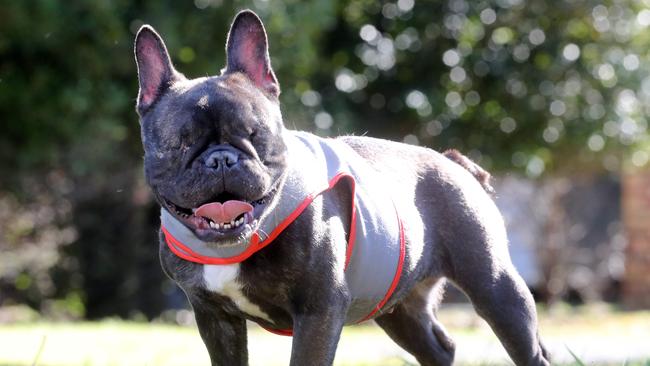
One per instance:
(507, 305)
(480, 265)
(414, 327)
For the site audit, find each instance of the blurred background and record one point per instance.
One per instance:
(552, 97)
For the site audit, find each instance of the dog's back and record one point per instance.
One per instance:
(479, 173)
(403, 155)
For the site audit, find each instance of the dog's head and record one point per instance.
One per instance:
(214, 152)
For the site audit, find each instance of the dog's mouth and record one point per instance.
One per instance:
(226, 218)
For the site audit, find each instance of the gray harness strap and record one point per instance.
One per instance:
(316, 164)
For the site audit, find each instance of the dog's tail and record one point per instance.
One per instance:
(479, 173)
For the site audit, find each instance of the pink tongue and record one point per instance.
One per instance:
(223, 213)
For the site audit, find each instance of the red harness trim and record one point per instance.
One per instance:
(389, 293)
(282, 332)
(398, 271)
(188, 254)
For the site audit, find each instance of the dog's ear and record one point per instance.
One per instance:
(248, 52)
(155, 69)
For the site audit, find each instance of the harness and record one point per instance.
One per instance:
(375, 248)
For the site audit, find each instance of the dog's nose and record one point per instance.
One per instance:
(221, 159)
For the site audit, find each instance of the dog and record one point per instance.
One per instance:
(303, 234)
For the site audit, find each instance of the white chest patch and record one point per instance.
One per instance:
(222, 279)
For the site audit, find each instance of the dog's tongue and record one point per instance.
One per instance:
(223, 212)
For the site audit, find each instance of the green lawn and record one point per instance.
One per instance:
(597, 335)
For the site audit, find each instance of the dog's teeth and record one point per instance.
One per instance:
(232, 222)
(221, 226)
(213, 225)
(226, 226)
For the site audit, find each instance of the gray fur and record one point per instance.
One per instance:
(453, 229)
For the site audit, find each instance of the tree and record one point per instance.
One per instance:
(518, 85)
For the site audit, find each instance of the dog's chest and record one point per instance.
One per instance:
(222, 279)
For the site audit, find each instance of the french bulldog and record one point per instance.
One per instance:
(303, 234)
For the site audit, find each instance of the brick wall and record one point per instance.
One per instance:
(636, 220)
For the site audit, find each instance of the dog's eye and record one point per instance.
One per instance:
(188, 134)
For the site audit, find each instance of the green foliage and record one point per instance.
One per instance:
(534, 86)
(515, 82)
(529, 85)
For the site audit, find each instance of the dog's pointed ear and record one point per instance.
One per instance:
(155, 69)
(247, 50)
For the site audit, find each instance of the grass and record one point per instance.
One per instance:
(587, 336)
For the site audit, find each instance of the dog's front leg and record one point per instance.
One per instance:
(316, 331)
(224, 335)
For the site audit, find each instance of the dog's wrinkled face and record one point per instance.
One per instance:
(214, 153)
